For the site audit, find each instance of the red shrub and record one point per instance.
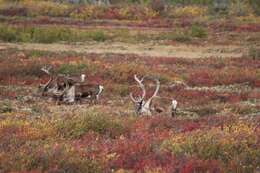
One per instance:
(225, 76)
(248, 28)
(196, 165)
(191, 126)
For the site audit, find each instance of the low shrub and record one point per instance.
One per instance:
(188, 11)
(180, 36)
(219, 7)
(6, 107)
(46, 8)
(49, 157)
(122, 90)
(8, 34)
(205, 111)
(185, 35)
(256, 6)
(124, 72)
(190, 2)
(71, 68)
(198, 165)
(240, 8)
(17, 10)
(87, 12)
(90, 121)
(33, 8)
(224, 76)
(48, 34)
(29, 69)
(38, 53)
(158, 5)
(30, 34)
(198, 31)
(234, 148)
(131, 12)
(15, 133)
(254, 53)
(98, 36)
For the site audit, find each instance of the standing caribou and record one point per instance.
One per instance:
(69, 89)
(147, 107)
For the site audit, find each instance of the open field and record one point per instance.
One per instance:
(143, 49)
(210, 66)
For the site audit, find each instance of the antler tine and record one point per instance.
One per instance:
(137, 79)
(157, 87)
(141, 85)
(155, 92)
(46, 69)
(131, 96)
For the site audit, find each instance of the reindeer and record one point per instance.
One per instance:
(147, 107)
(69, 89)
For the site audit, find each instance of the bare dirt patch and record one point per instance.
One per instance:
(143, 49)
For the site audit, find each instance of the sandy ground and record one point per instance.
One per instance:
(141, 49)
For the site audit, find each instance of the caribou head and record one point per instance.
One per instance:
(82, 78)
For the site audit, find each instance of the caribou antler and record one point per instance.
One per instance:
(141, 85)
(46, 70)
(148, 102)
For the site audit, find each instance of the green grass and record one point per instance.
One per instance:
(198, 31)
(187, 35)
(48, 35)
(38, 53)
(55, 34)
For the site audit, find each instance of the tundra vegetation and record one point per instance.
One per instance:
(54, 117)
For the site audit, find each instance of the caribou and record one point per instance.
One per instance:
(69, 89)
(154, 103)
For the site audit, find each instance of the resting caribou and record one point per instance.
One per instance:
(69, 89)
(154, 103)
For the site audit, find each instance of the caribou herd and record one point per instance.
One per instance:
(75, 89)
